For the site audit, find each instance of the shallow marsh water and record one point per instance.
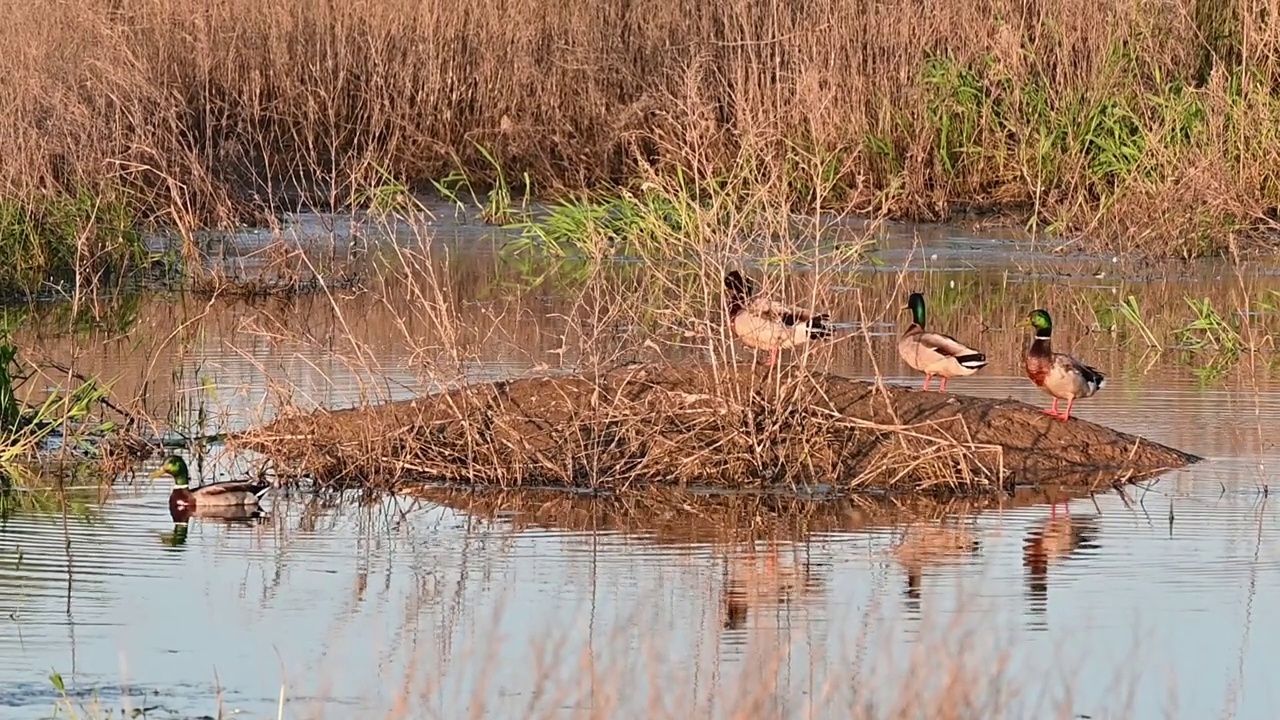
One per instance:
(444, 605)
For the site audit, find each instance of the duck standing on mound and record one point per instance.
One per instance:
(1059, 374)
(935, 353)
(766, 325)
(223, 494)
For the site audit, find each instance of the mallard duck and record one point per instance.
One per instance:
(935, 353)
(223, 494)
(766, 325)
(1059, 374)
(222, 513)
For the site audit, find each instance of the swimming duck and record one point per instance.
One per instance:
(223, 494)
(766, 325)
(935, 353)
(1058, 374)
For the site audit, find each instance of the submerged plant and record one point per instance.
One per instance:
(28, 430)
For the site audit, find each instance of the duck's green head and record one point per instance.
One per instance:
(915, 304)
(1040, 320)
(175, 466)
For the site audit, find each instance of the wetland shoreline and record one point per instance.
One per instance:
(767, 574)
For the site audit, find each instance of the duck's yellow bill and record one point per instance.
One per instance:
(157, 473)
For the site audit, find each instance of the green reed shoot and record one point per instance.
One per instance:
(65, 239)
(389, 196)
(600, 226)
(499, 207)
(1132, 313)
(1208, 330)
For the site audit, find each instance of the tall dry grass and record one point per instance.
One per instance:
(629, 411)
(1140, 125)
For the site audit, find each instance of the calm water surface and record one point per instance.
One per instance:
(448, 606)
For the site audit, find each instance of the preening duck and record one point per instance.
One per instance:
(1059, 374)
(934, 353)
(767, 325)
(223, 494)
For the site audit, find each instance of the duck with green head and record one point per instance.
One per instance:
(1059, 374)
(934, 353)
(184, 499)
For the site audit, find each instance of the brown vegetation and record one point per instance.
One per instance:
(729, 427)
(1141, 125)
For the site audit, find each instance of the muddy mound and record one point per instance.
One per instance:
(708, 427)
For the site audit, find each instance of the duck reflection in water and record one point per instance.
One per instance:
(1052, 541)
(228, 515)
(769, 579)
(177, 538)
(926, 544)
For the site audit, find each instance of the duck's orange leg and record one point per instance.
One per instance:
(928, 377)
(1054, 410)
(943, 386)
(1067, 415)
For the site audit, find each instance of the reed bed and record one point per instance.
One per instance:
(1140, 126)
(645, 426)
(630, 431)
(653, 391)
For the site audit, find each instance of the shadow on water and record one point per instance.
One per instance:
(921, 545)
(680, 517)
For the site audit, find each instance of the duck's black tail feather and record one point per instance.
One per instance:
(1094, 378)
(818, 327)
(973, 361)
